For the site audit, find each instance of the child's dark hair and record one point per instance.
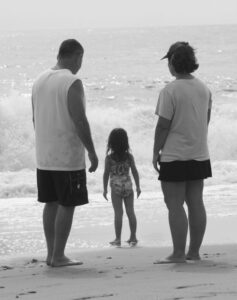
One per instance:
(118, 143)
(183, 59)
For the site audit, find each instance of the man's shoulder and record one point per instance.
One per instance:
(39, 79)
(66, 79)
(42, 74)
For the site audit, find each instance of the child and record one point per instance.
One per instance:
(118, 162)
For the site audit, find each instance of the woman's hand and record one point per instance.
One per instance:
(105, 195)
(155, 161)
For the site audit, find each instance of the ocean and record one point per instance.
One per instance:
(122, 75)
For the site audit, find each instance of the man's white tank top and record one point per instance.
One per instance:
(58, 146)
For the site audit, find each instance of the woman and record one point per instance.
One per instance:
(181, 151)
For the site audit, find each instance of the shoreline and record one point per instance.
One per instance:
(123, 273)
(93, 224)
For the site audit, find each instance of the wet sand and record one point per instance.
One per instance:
(123, 273)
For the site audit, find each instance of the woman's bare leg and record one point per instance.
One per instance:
(174, 194)
(197, 217)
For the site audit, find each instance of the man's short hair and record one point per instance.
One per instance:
(70, 47)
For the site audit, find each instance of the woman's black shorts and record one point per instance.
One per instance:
(68, 188)
(185, 170)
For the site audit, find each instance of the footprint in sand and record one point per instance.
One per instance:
(102, 272)
(119, 268)
(94, 297)
(194, 285)
(4, 268)
(206, 255)
(26, 293)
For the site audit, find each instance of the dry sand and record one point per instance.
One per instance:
(123, 273)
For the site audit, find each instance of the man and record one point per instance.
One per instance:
(62, 133)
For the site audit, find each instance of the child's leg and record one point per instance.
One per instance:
(129, 205)
(117, 202)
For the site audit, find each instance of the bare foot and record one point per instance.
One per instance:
(171, 260)
(48, 261)
(193, 256)
(115, 243)
(134, 241)
(64, 262)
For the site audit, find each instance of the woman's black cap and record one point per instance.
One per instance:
(173, 48)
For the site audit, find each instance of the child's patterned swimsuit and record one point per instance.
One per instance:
(120, 180)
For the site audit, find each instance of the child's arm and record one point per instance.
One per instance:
(106, 177)
(135, 175)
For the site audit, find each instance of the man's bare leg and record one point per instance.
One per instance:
(63, 224)
(49, 216)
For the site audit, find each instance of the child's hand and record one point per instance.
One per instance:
(138, 192)
(105, 195)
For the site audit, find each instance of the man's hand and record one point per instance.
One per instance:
(94, 161)
(138, 192)
(155, 162)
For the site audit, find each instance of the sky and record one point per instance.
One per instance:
(43, 14)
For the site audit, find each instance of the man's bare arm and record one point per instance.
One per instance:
(77, 112)
(33, 118)
(208, 116)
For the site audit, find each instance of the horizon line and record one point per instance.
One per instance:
(114, 27)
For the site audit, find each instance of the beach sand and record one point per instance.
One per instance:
(118, 273)
(123, 273)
